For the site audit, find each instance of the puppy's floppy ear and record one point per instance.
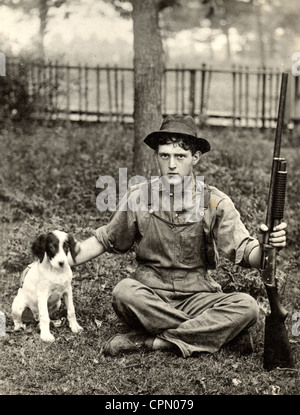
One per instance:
(74, 249)
(39, 246)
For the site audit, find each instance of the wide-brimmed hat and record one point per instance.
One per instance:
(178, 126)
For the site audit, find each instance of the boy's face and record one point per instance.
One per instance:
(176, 162)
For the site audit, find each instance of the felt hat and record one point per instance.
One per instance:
(178, 126)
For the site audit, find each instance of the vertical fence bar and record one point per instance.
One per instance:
(240, 88)
(109, 91)
(30, 76)
(41, 89)
(98, 92)
(270, 98)
(68, 92)
(277, 88)
(263, 108)
(35, 80)
(50, 88)
(202, 92)
(165, 86)
(176, 90)
(182, 89)
(192, 92)
(296, 103)
(257, 96)
(233, 95)
(79, 92)
(123, 95)
(44, 88)
(30, 79)
(39, 77)
(116, 83)
(86, 91)
(39, 86)
(247, 95)
(209, 73)
(56, 87)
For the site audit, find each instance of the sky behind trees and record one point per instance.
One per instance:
(92, 32)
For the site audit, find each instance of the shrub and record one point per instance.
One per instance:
(24, 94)
(15, 101)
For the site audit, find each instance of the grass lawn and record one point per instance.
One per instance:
(48, 181)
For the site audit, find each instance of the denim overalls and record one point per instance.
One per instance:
(171, 295)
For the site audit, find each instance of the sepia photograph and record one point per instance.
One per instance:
(149, 200)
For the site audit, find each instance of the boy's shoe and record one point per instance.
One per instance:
(128, 343)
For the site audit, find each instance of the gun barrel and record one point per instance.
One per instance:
(276, 162)
(281, 112)
(277, 143)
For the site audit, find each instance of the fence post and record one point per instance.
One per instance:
(271, 98)
(164, 92)
(79, 92)
(86, 90)
(247, 95)
(296, 105)
(122, 95)
(116, 82)
(50, 90)
(68, 94)
(56, 86)
(263, 108)
(192, 92)
(98, 92)
(233, 95)
(203, 74)
(109, 91)
(257, 96)
(209, 74)
(176, 90)
(240, 73)
(182, 89)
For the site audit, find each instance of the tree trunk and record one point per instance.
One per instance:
(148, 72)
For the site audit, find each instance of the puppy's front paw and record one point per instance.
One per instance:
(47, 337)
(19, 326)
(76, 328)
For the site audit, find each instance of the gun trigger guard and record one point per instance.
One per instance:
(267, 246)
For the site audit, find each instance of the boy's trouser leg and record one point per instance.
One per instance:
(202, 322)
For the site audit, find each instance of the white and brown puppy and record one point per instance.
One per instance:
(46, 282)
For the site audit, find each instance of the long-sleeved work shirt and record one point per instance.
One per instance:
(177, 239)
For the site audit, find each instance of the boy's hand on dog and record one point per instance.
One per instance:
(77, 248)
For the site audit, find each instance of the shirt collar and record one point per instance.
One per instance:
(192, 190)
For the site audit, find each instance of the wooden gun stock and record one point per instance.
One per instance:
(277, 351)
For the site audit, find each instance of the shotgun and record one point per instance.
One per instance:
(277, 351)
